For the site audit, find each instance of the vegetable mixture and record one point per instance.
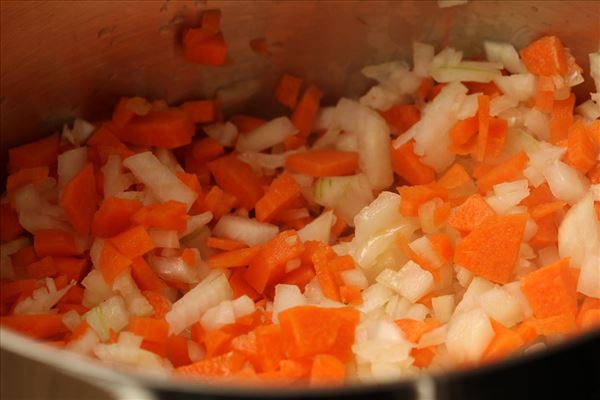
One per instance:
(447, 218)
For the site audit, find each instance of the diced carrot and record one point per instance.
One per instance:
(133, 243)
(211, 20)
(171, 215)
(300, 276)
(538, 195)
(593, 130)
(10, 228)
(200, 111)
(293, 142)
(74, 295)
(41, 269)
(240, 287)
(24, 256)
(282, 193)
(268, 266)
(169, 129)
(319, 256)
(26, 176)
(562, 118)
(581, 151)
(455, 177)
(497, 131)
(114, 216)
(41, 153)
(327, 370)
(401, 117)
(224, 244)
(526, 331)
(435, 90)
(442, 245)
(414, 196)
(545, 56)
(201, 46)
(38, 326)
(223, 365)
(54, 242)
(505, 342)
(237, 178)
(470, 214)
(144, 276)
(112, 263)
(546, 233)
(191, 181)
(594, 174)
(207, 149)
(218, 202)
(269, 347)
(483, 120)
(105, 142)
(234, 258)
(491, 249)
(79, 199)
(160, 349)
(80, 330)
(159, 303)
(351, 295)
(544, 99)
(259, 45)
(287, 90)
(10, 291)
(409, 167)
(72, 268)
(506, 171)
(588, 316)
(414, 329)
(441, 213)
(305, 112)
(217, 342)
(545, 209)
(246, 123)
(310, 330)
(151, 329)
(556, 279)
(423, 357)
(289, 372)
(559, 324)
(126, 109)
(177, 350)
(462, 134)
(488, 88)
(323, 162)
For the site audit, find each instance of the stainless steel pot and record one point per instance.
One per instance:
(65, 59)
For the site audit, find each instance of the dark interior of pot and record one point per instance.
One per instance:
(62, 60)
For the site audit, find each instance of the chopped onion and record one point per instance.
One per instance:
(507, 195)
(469, 106)
(224, 133)
(347, 195)
(42, 299)
(469, 334)
(396, 81)
(467, 71)
(267, 135)
(380, 215)
(80, 132)
(470, 299)
(96, 289)
(9, 248)
(538, 123)
(245, 230)
(565, 182)
(514, 289)
(110, 314)
(319, 229)
(242, 306)
(417, 311)
(539, 160)
(69, 164)
(578, 236)
(218, 316)
(423, 53)
(501, 306)
(186, 311)
(423, 248)
(128, 355)
(589, 110)
(595, 69)
(196, 222)
(380, 341)
(136, 303)
(325, 118)
(411, 281)
(286, 296)
(175, 269)
(589, 277)
(164, 239)
(115, 181)
(366, 254)
(502, 103)
(129, 339)
(463, 276)
(259, 160)
(71, 319)
(443, 307)
(506, 54)
(354, 277)
(374, 297)
(195, 351)
(346, 142)
(85, 343)
(521, 87)
(159, 179)
(167, 158)
(434, 337)
(397, 307)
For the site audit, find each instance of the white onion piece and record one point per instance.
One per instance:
(506, 54)
(110, 314)
(80, 132)
(423, 248)
(578, 236)
(463, 276)
(469, 106)
(136, 302)
(507, 195)
(501, 306)
(468, 335)
(595, 69)
(502, 103)
(42, 299)
(267, 135)
(10, 248)
(164, 239)
(411, 281)
(71, 319)
(224, 133)
(434, 337)
(259, 160)
(417, 311)
(589, 277)
(245, 230)
(218, 316)
(589, 109)
(423, 53)
(85, 343)
(69, 164)
(167, 158)
(374, 297)
(565, 182)
(443, 307)
(347, 195)
(115, 181)
(470, 299)
(242, 306)
(128, 355)
(346, 142)
(96, 289)
(354, 277)
(208, 293)
(325, 118)
(521, 87)
(373, 141)
(196, 222)
(539, 160)
(465, 72)
(174, 268)
(318, 229)
(538, 123)
(396, 81)
(514, 289)
(163, 183)
(286, 296)
(380, 215)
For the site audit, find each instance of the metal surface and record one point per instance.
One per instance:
(65, 59)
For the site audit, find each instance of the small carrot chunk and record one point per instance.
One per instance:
(200, 111)
(112, 263)
(282, 193)
(305, 112)
(505, 342)
(561, 120)
(237, 178)
(202, 46)
(10, 228)
(581, 151)
(401, 117)
(470, 214)
(409, 167)
(319, 163)
(79, 199)
(41, 153)
(26, 176)
(327, 370)
(133, 242)
(287, 90)
(234, 258)
(114, 216)
(545, 56)
(506, 171)
(151, 329)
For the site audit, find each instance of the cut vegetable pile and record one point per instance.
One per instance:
(447, 218)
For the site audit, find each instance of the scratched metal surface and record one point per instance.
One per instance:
(65, 59)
